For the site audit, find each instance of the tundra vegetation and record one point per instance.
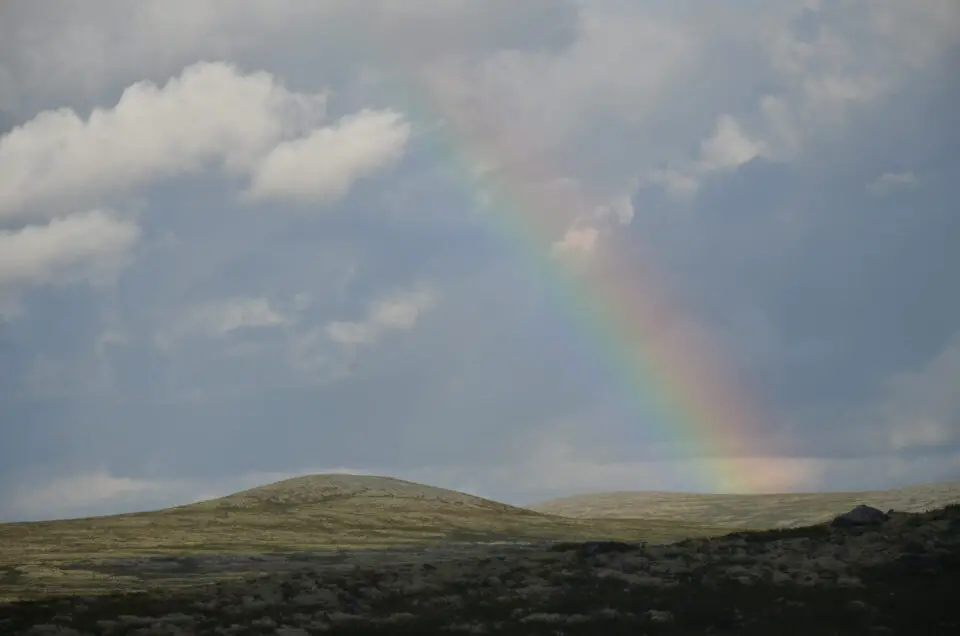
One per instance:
(368, 555)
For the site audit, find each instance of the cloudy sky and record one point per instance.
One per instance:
(246, 240)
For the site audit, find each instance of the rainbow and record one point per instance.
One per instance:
(619, 303)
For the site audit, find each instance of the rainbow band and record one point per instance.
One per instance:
(621, 307)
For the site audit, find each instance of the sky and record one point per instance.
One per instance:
(519, 249)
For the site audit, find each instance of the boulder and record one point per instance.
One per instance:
(861, 516)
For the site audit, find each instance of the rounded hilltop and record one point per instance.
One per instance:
(337, 487)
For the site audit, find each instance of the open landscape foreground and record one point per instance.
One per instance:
(370, 555)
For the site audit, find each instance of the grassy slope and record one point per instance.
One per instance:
(312, 513)
(750, 511)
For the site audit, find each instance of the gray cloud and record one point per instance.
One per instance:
(308, 262)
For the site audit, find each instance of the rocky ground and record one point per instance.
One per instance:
(900, 576)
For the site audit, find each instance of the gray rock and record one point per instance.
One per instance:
(861, 516)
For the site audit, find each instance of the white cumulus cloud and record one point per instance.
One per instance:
(90, 246)
(325, 164)
(212, 114)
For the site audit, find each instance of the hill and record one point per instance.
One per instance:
(359, 490)
(311, 513)
(746, 511)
